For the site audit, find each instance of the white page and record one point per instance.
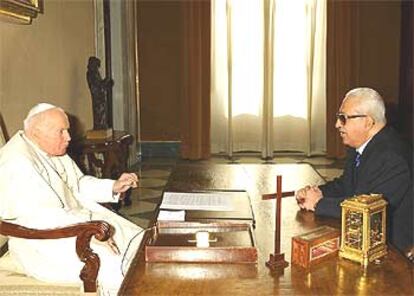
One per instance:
(164, 215)
(211, 201)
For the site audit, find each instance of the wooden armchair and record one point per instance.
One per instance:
(83, 232)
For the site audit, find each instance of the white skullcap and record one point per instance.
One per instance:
(39, 108)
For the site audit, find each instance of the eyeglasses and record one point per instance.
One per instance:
(344, 117)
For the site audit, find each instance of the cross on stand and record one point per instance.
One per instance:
(277, 260)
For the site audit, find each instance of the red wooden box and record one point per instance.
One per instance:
(315, 246)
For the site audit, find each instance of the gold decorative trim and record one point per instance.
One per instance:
(20, 11)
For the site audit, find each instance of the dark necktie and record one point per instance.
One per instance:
(357, 159)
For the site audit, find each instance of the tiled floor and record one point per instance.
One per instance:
(154, 174)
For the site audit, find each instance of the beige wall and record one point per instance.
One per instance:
(46, 61)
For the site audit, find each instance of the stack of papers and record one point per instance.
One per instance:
(203, 201)
(164, 215)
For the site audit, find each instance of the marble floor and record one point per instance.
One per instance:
(154, 173)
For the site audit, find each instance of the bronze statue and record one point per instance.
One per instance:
(99, 90)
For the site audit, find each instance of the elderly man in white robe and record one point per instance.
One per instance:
(42, 187)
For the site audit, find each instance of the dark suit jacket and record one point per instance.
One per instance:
(386, 167)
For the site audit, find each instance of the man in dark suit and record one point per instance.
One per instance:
(378, 161)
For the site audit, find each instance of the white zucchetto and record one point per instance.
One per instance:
(39, 108)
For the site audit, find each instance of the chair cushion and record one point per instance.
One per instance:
(18, 284)
(3, 240)
(7, 263)
(13, 281)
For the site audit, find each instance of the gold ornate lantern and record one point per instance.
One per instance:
(363, 228)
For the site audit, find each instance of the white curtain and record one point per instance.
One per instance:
(268, 76)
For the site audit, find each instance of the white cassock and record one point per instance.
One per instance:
(39, 191)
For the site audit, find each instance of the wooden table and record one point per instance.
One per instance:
(336, 276)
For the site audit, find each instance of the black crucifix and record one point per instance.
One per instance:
(277, 260)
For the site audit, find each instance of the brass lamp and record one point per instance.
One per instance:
(363, 228)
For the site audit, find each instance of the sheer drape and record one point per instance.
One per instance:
(268, 76)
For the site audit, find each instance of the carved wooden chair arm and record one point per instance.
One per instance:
(83, 232)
